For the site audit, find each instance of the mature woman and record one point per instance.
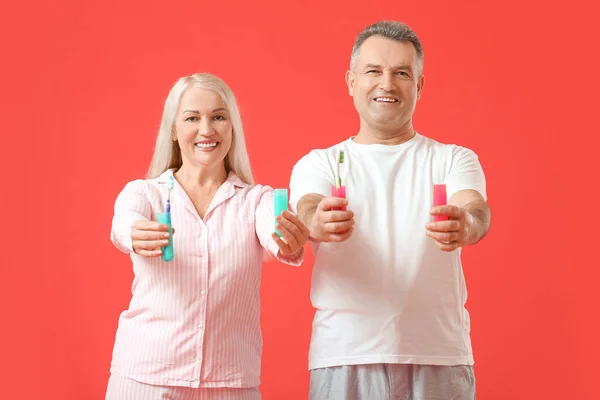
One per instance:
(192, 330)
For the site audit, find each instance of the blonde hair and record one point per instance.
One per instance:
(167, 154)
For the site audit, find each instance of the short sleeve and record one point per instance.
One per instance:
(465, 173)
(311, 174)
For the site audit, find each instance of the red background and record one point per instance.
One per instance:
(82, 92)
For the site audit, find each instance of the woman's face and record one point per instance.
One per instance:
(203, 128)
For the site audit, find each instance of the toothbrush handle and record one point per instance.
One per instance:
(439, 199)
(339, 192)
(167, 251)
(280, 205)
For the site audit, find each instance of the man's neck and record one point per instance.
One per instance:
(369, 135)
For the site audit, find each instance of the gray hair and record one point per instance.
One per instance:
(167, 153)
(390, 30)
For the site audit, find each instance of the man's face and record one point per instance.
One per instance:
(386, 83)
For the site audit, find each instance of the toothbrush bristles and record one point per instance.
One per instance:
(340, 162)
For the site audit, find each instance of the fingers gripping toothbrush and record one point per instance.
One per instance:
(165, 218)
(338, 190)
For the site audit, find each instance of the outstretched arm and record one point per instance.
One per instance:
(469, 219)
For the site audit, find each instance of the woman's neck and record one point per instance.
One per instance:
(204, 178)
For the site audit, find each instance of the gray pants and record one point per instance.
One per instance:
(393, 382)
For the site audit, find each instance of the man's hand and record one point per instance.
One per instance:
(468, 221)
(453, 233)
(328, 224)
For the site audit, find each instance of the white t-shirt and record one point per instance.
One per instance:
(388, 294)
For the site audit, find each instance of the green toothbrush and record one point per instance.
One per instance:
(338, 183)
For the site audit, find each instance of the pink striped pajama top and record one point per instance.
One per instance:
(195, 321)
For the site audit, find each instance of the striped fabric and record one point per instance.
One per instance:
(194, 321)
(120, 388)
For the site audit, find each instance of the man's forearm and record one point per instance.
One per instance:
(306, 209)
(479, 219)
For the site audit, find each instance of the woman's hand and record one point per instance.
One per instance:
(295, 234)
(147, 237)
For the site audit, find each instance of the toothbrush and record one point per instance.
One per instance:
(169, 190)
(440, 199)
(281, 205)
(165, 218)
(338, 183)
(338, 190)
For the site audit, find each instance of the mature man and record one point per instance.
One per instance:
(388, 286)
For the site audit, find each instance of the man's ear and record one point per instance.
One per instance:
(350, 78)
